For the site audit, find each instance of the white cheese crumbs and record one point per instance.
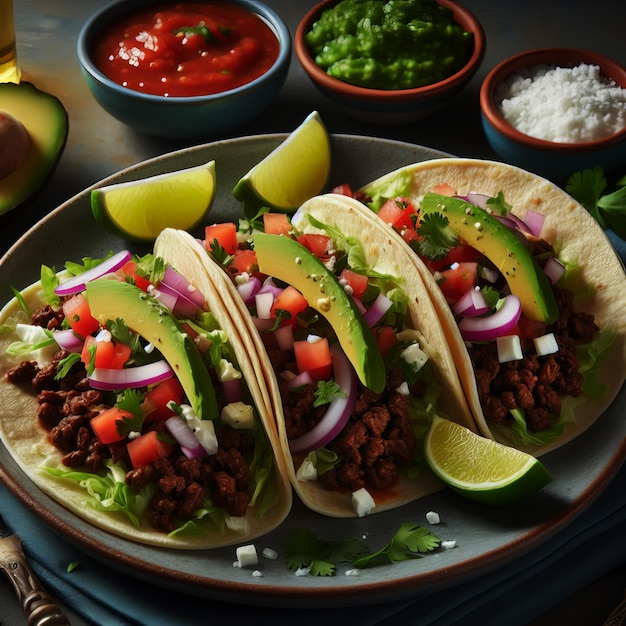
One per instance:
(562, 104)
(313, 338)
(203, 429)
(257, 573)
(246, 555)
(238, 415)
(509, 348)
(149, 348)
(353, 572)
(134, 434)
(227, 371)
(303, 571)
(546, 344)
(414, 356)
(448, 544)
(433, 517)
(306, 471)
(242, 279)
(362, 502)
(269, 553)
(403, 389)
(34, 335)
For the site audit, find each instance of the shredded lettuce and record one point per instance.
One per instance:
(391, 187)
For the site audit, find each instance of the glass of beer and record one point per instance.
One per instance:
(9, 69)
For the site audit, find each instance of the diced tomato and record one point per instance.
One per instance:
(385, 337)
(444, 189)
(291, 300)
(108, 354)
(316, 244)
(77, 313)
(313, 357)
(458, 254)
(357, 282)
(530, 329)
(154, 405)
(409, 235)
(128, 272)
(225, 234)
(147, 448)
(104, 424)
(276, 223)
(344, 189)
(396, 215)
(456, 281)
(244, 260)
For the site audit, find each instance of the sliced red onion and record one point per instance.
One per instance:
(130, 377)
(554, 269)
(68, 340)
(262, 325)
(269, 286)
(264, 301)
(183, 306)
(165, 296)
(232, 390)
(304, 378)
(284, 337)
(359, 305)
(471, 304)
(378, 309)
(180, 284)
(185, 437)
(535, 221)
(492, 326)
(249, 289)
(478, 199)
(77, 283)
(339, 409)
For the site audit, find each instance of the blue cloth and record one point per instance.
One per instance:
(512, 595)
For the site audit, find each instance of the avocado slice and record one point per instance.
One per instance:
(477, 228)
(112, 300)
(45, 119)
(289, 261)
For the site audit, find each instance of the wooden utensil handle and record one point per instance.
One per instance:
(38, 606)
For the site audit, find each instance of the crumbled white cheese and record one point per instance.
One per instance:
(306, 471)
(34, 335)
(246, 555)
(546, 344)
(227, 371)
(414, 356)
(269, 553)
(563, 104)
(448, 544)
(303, 571)
(362, 502)
(203, 429)
(509, 348)
(353, 572)
(433, 517)
(238, 415)
(257, 573)
(403, 389)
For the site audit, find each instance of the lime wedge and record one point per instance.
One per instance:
(480, 468)
(139, 210)
(293, 172)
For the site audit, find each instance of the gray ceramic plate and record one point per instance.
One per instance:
(487, 538)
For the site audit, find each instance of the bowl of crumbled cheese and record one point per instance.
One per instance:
(555, 111)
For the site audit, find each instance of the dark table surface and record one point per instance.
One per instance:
(98, 145)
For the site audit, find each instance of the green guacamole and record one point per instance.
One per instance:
(393, 44)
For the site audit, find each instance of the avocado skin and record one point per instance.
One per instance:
(289, 261)
(477, 228)
(113, 299)
(46, 121)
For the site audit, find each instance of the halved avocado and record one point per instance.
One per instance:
(45, 119)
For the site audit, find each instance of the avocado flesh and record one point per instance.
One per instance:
(289, 261)
(45, 119)
(112, 299)
(477, 228)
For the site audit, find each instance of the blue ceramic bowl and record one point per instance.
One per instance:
(388, 106)
(553, 160)
(197, 117)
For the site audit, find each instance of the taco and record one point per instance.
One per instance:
(124, 398)
(527, 285)
(352, 352)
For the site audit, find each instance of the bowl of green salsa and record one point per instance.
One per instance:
(390, 61)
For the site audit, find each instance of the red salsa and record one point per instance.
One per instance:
(186, 49)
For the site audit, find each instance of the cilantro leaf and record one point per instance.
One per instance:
(327, 390)
(130, 401)
(612, 207)
(498, 204)
(409, 542)
(437, 236)
(586, 187)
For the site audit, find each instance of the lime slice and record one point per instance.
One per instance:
(139, 210)
(293, 172)
(480, 468)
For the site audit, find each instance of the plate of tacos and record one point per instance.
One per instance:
(280, 375)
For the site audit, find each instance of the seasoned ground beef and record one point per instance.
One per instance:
(374, 444)
(535, 384)
(65, 409)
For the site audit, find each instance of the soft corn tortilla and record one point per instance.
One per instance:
(577, 238)
(28, 444)
(384, 256)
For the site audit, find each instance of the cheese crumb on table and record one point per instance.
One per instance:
(563, 104)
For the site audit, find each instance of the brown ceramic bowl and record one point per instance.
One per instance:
(392, 107)
(555, 160)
